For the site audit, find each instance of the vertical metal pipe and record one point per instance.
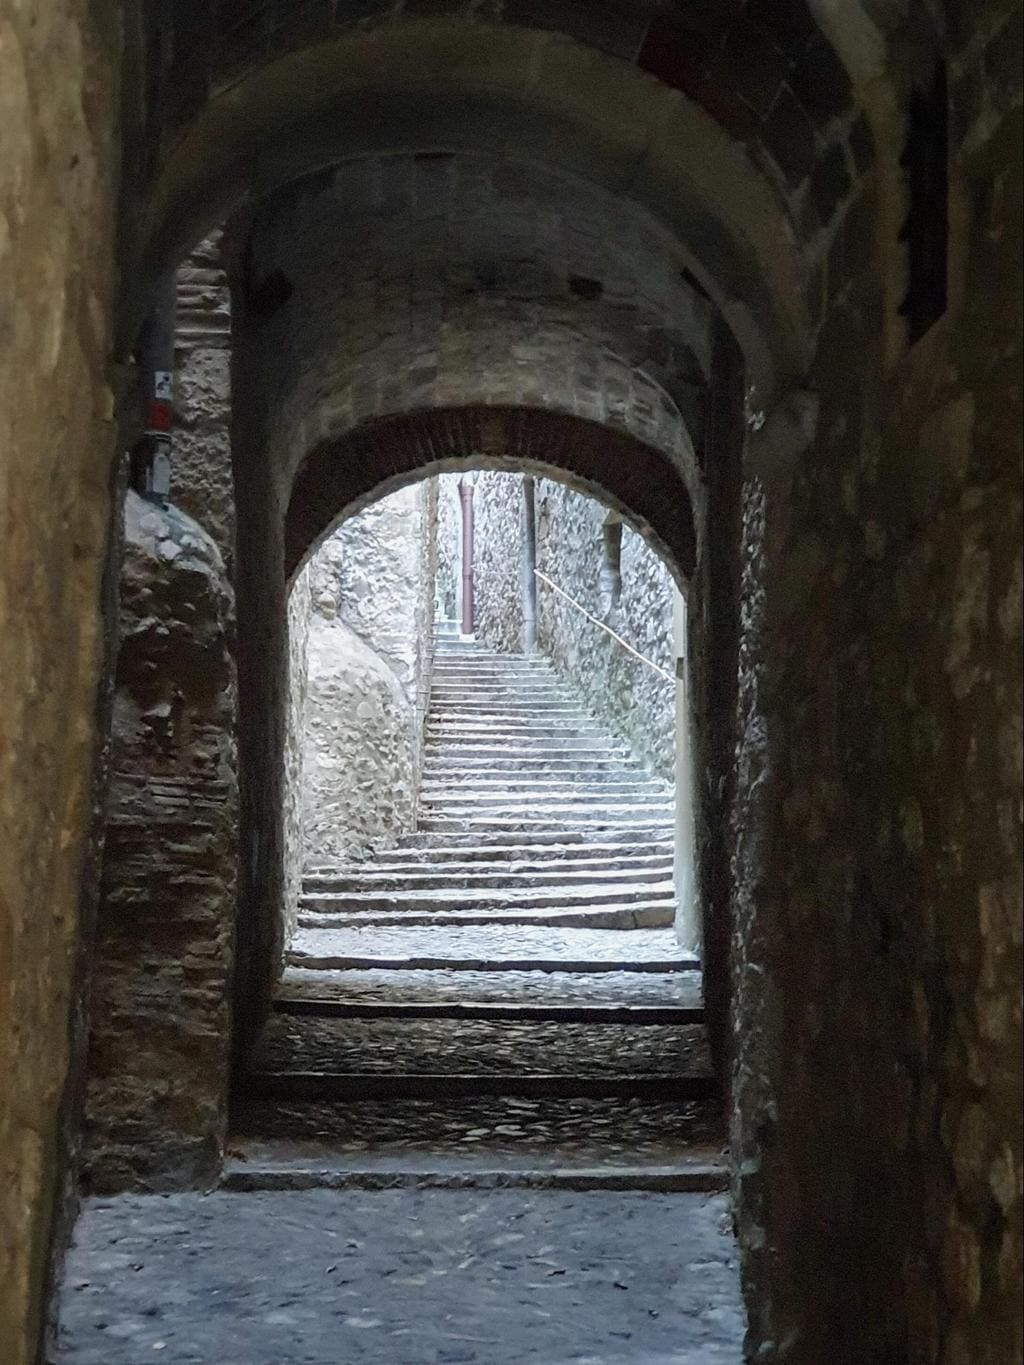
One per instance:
(466, 495)
(528, 563)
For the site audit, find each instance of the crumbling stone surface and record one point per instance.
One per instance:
(366, 605)
(158, 1055)
(59, 162)
(357, 768)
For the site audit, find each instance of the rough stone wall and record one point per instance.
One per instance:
(368, 655)
(201, 482)
(497, 537)
(59, 149)
(449, 557)
(634, 701)
(300, 614)
(158, 1053)
(878, 871)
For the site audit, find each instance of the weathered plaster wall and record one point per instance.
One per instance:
(878, 923)
(368, 621)
(158, 1054)
(59, 151)
(632, 699)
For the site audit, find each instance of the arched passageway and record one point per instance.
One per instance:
(830, 187)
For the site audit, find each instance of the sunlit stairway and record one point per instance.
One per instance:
(501, 997)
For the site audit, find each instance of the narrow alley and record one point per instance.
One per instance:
(481, 1125)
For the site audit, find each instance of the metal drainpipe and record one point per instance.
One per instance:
(528, 563)
(151, 455)
(466, 495)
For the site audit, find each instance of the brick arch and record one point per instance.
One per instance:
(610, 463)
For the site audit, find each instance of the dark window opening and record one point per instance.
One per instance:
(926, 230)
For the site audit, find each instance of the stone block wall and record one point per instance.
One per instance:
(497, 538)
(634, 701)
(159, 1042)
(361, 619)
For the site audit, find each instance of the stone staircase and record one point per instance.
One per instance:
(501, 998)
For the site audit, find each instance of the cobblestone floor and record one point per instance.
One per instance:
(480, 1047)
(530, 1132)
(402, 1278)
(516, 988)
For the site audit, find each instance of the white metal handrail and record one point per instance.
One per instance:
(607, 629)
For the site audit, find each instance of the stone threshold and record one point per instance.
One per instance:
(685, 1178)
(488, 1012)
(342, 1085)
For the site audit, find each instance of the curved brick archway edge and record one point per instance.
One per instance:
(339, 477)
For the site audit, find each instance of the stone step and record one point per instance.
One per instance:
(658, 914)
(508, 733)
(515, 763)
(516, 1049)
(477, 785)
(460, 990)
(287, 1001)
(500, 690)
(469, 875)
(616, 818)
(515, 896)
(474, 662)
(504, 948)
(501, 858)
(446, 1086)
(648, 836)
(326, 1170)
(555, 789)
(475, 704)
(564, 750)
(519, 1137)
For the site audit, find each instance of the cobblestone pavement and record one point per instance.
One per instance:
(514, 988)
(545, 1132)
(479, 1046)
(402, 1278)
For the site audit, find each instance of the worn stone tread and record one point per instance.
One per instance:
(487, 948)
(378, 1046)
(403, 1277)
(510, 987)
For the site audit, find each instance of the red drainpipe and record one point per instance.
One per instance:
(466, 494)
